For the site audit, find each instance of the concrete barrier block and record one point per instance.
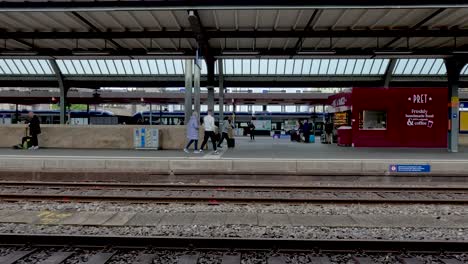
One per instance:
(449, 168)
(74, 164)
(23, 163)
(329, 167)
(199, 166)
(154, 166)
(264, 167)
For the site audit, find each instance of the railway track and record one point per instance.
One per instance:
(242, 194)
(57, 249)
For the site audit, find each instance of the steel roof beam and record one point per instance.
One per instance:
(216, 4)
(213, 34)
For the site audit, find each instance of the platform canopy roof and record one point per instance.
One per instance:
(294, 43)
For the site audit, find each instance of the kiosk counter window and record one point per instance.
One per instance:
(373, 120)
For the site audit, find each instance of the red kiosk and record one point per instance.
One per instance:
(393, 117)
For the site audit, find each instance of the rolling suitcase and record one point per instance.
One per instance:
(231, 142)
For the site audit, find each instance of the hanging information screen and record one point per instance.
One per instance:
(146, 138)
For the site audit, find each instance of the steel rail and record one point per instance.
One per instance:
(341, 245)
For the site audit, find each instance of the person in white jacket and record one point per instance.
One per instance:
(209, 124)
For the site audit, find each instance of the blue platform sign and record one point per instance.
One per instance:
(410, 168)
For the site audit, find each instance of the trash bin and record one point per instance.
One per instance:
(345, 136)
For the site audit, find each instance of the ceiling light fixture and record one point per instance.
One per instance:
(316, 52)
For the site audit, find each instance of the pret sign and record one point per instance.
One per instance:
(419, 115)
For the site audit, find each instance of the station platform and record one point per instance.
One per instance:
(264, 156)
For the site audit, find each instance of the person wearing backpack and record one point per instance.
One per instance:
(34, 130)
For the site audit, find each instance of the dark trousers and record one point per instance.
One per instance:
(306, 137)
(223, 136)
(211, 135)
(190, 143)
(34, 140)
(252, 135)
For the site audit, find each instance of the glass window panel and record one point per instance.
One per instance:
(162, 67)
(324, 66)
(102, 66)
(332, 66)
(136, 66)
(179, 68)
(1, 71)
(246, 66)
(87, 67)
(70, 67)
(12, 66)
(94, 66)
(47, 67)
(443, 70)
(427, 66)
(436, 67)
(119, 67)
(263, 66)
(127, 65)
(204, 69)
(376, 67)
(272, 66)
(400, 66)
(306, 66)
(254, 67)
(358, 66)
(465, 70)
(366, 69)
(384, 66)
(153, 67)
(170, 66)
(281, 66)
(29, 67)
(237, 66)
(4, 66)
(78, 67)
(228, 66)
(20, 66)
(350, 66)
(341, 66)
(144, 67)
(409, 66)
(289, 66)
(418, 66)
(37, 67)
(315, 66)
(111, 66)
(298, 63)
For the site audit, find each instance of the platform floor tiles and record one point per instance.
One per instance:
(261, 148)
(219, 219)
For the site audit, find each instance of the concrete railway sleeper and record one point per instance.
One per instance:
(228, 194)
(56, 249)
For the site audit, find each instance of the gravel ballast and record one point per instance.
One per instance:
(311, 209)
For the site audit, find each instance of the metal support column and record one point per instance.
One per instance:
(453, 76)
(221, 94)
(188, 90)
(151, 114)
(211, 98)
(17, 114)
(196, 84)
(63, 91)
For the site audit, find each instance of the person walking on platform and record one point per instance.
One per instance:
(227, 125)
(34, 130)
(252, 130)
(209, 123)
(192, 132)
(329, 132)
(306, 131)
